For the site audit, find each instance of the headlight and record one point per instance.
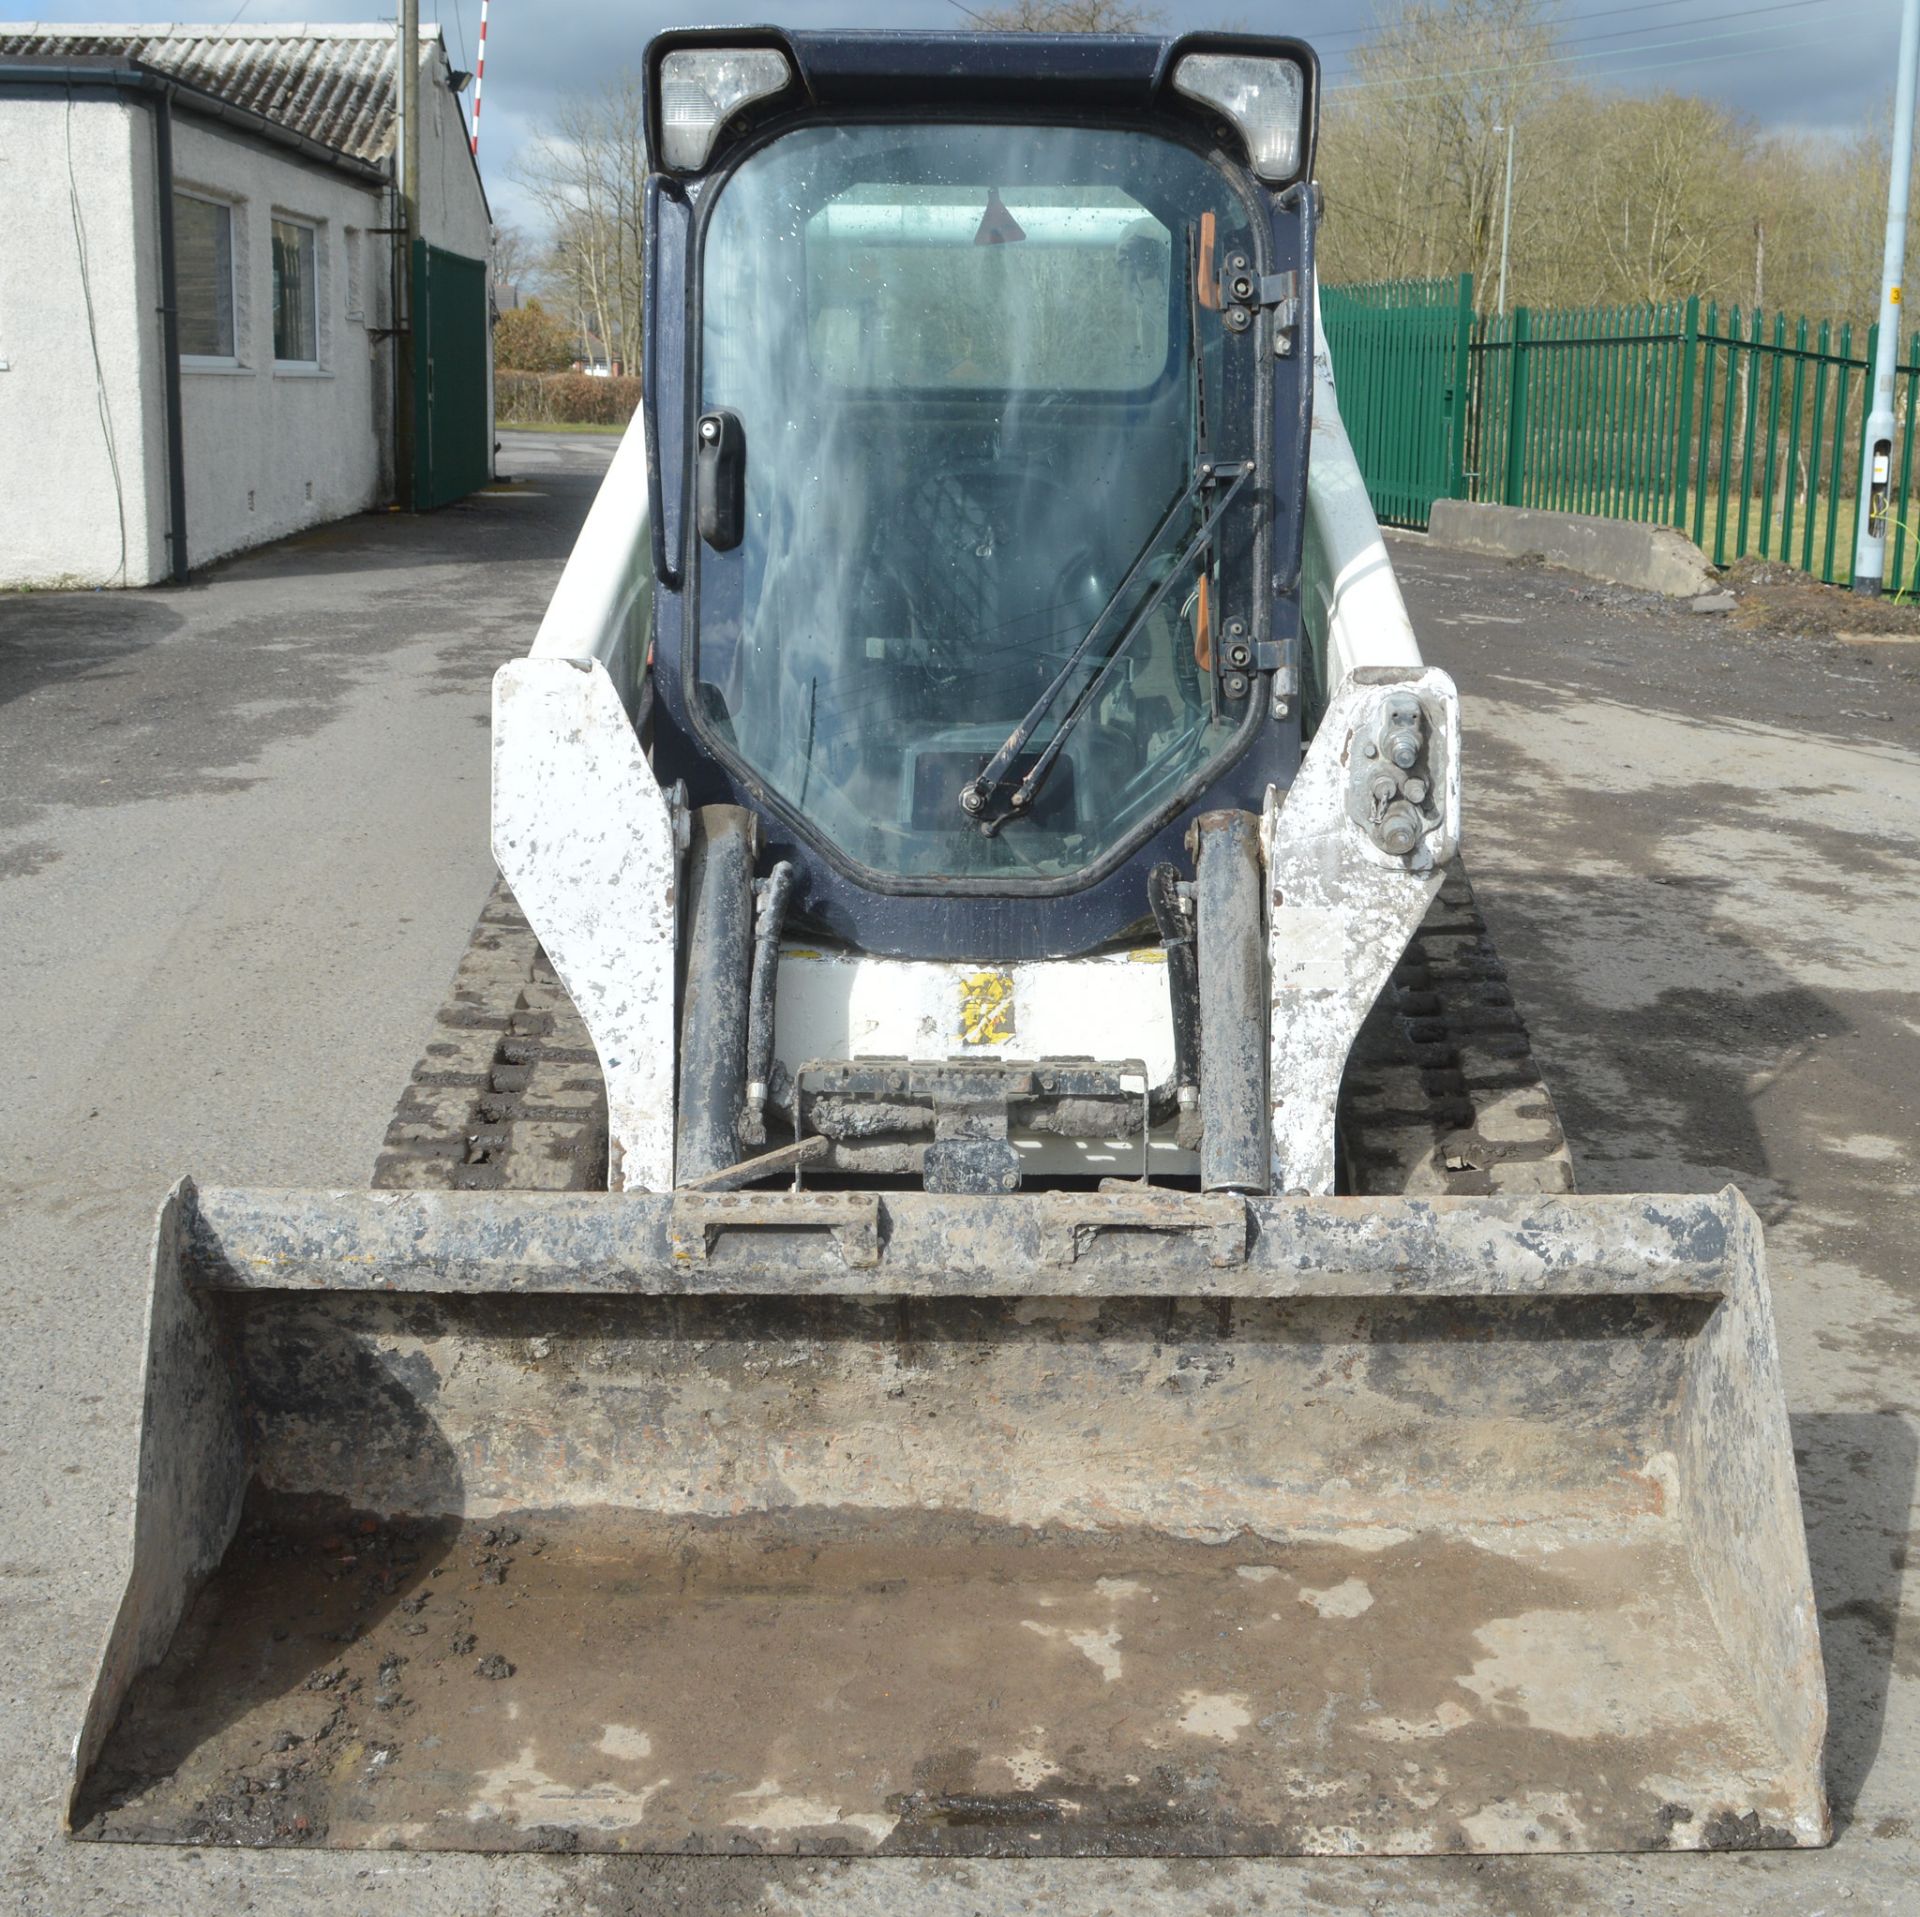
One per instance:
(1262, 97)
(701, 88)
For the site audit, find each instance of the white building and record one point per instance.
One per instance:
(254, 168)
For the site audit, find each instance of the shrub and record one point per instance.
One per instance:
(528, 339)
(564, 399)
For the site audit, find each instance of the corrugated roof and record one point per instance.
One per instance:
(332, 83)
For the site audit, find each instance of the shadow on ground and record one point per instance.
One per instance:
(58, 637)
(112, 697)
(1856, 1485)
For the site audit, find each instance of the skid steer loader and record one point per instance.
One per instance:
(978, 1263)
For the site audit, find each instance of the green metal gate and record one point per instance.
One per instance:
(1743, 430)
(452, 393)
(1399, 352)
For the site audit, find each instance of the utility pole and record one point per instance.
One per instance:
(406, 451)
(1870, 533)
(1506, 216)
(479, 78)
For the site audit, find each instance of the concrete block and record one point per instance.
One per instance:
(1650, 558)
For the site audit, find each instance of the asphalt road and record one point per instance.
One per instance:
(243, 838)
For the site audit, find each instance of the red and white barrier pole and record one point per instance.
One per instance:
(479, 78)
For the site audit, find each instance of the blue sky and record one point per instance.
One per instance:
(1820, 66)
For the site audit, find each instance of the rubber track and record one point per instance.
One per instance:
(508, 1094)
(1441, 1092)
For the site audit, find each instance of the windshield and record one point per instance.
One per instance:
(962, 361)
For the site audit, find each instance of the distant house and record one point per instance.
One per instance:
(255, 172)
(590, 354)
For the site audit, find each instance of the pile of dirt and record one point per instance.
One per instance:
(1775, 598)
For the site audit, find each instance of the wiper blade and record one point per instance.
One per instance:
(993, 775)
(1024, 794)
(978, 794)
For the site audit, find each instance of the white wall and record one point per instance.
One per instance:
(272, 448)
(65, 422)
(453, 208)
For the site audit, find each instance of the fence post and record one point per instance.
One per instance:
(1912, 378)
(1462, 342)
(1683, 438)
(1517, 408)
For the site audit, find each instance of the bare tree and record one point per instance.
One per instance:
(1064, 16)
(1655, 218)
(1415, 143)
(515, 261)
(587, 173)
(1617, 199)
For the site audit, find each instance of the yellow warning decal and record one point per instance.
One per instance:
(986, 1008)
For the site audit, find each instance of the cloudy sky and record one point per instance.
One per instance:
(1820, 66)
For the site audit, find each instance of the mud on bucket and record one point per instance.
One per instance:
(1090, 1524)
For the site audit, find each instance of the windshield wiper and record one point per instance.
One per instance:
(978, 794)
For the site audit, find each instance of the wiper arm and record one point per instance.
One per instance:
(978, 793)
(1028, 789)
(975, 794)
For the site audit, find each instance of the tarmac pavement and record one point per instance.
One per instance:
(242, 842)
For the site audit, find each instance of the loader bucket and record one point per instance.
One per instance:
(1129, 1523)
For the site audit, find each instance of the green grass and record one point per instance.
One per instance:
(1844, 528)
(1796, 553)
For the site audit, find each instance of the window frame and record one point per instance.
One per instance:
(1255, 197)
(311, 228)
(231, 362)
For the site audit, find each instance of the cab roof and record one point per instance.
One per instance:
(1093, 74)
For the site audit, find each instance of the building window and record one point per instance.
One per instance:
(296, 319)
(203, 275)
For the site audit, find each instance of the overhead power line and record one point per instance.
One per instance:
(1425, 83)
(1701, 20)
(1579, 19)
(1656, 66)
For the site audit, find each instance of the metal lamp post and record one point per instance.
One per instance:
(1506, 215)
(1870, 526)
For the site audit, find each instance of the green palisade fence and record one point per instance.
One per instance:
(1405, 408)
(1742, 429)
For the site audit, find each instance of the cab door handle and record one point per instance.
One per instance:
(720, 478)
